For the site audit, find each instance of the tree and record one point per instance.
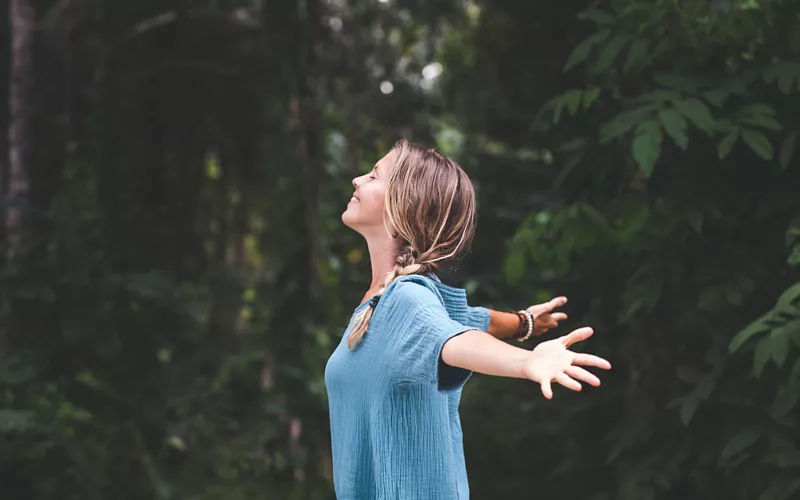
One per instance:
(19, 141)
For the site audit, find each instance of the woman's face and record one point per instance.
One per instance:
(367, 206)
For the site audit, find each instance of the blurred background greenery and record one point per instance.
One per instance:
(175, 272)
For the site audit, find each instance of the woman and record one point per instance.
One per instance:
(394, 382)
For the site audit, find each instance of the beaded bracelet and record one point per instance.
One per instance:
(525, 328)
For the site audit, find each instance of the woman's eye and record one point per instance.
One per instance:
(372, 177)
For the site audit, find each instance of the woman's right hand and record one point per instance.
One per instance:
(552, 361)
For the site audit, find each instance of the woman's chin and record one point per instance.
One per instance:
(348, 218)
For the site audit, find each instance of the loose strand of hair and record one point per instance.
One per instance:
(360, 328)
(365, 316)
(446, 216)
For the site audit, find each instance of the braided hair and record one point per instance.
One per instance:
(430, 203)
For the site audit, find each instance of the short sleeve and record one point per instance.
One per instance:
(420, 326)
(478, 318)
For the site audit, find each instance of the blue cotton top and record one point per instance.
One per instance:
(395, 430)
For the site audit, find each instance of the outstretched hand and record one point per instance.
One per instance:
(552, 361)
(544, 317)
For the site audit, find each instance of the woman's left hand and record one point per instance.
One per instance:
(552, 361)
(544, 317)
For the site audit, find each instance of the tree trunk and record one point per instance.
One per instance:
(21, 78)
(17, 184)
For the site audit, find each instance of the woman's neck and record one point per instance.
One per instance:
(382, 259)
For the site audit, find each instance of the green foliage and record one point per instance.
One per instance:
(685, 165)
(165, 328)
(187, 273)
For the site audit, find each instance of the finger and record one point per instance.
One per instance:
(591, 360)
(547, 391)
(548, 306)
(579, 373)
(569, 383)
(558, 316)
(553, 303)
(577, 335)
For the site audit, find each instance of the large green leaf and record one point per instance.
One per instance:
(785, 400)
(759, 143)
(582, 50)
(589, 96)
(716, 97)
(697, 112)
(677, 82)
(572, 99)
(741, 441)
(725, 146)
(792, 331)
(766, 122)
(789, 296)
(624, 122)
(780, 346)
(675, 125)
(756, 109)
(646, 146)
(637, 53)
(610, 52)
(761, 356)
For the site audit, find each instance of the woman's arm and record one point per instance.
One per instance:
(505, 324)
(549, 361)
(502, 324)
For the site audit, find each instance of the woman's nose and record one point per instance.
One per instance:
(355, 185)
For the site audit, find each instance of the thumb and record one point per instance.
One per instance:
(577, 335)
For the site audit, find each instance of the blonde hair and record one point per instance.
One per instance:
(430, 203)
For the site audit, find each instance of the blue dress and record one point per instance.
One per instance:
(393, 403)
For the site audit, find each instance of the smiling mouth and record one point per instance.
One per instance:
(353, 200)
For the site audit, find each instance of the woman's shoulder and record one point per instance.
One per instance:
(413, 290)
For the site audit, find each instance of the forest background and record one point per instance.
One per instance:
(175, 273)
